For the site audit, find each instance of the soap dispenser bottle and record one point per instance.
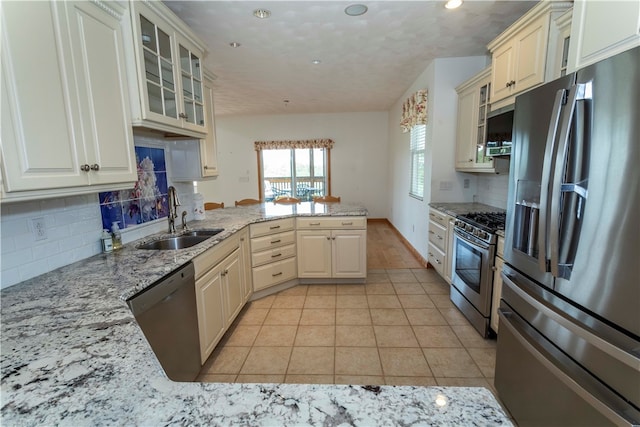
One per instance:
(107, 242)
(117, 235)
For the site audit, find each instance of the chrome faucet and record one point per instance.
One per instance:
(173, 206)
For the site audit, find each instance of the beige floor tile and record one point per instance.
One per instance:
(425, 316)
(350, 289)
(428, 275)
(308, 379)
(357, 361)
(264, 302)
(352, 301)
(276, 336)
(266, 360)
(359, 379)
(289, 301)
(398, 276)
(436, 336)
(355, 336)
(398, 270)
(242, 335)
(388, 316)
(225, 360)
(217, 378)
(376, 271)
(463, 382)
(321, 290)
(441, 301)
(485, 358)
(320, 301)
(404, 362)
(471, 338)
(283, 316)
(383, 301)
(436, 288)
(373, 278)
(353, 316)
(379, 289)
(314, 336)
(454, 316)
(422, 274)
(253, 316)
(416, 301)
(408, 288)
(395, 336)
(257, 379)
(311, 360)
(415, 381)
(318, 316)
(451, 362)
(296, 290)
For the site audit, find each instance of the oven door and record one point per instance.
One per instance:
(472, 273)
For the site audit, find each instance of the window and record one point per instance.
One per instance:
(296, 172)
(416, 189)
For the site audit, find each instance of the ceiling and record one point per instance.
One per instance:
(367, 61)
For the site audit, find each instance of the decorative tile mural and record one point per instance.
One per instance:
(146, 201)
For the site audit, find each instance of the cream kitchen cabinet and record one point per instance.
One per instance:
(497, 284)
(601, 29)
(65, 106)
(220, 291)
(167, 80)
(245, 264)
(439, 242)
(520, 54)
(273, 253)
(449, 252)
(332, 247)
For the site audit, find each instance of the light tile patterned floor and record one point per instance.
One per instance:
(399, 328)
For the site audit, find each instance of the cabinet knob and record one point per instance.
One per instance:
(328, 238)
(470, 160)
(95, 167)
(507, 84)
(183, 116)
(85, 168)
(205, 167)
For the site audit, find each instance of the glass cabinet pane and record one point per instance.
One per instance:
(167, 74)
(187, 90)
(155, 98)
(165, 44)
(148, 34)
(197, 90)
(170, 108)
(184, 60)
(481, 115)
(199, 114)
(188, 110)
(195, 67)
(151, 67)
(483, 94)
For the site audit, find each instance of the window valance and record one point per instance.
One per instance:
(305, 143)
(414, 111)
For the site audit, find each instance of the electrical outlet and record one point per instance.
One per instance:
(466, 183)
(39, 228)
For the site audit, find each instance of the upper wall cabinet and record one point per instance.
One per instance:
(168, 78)
(521, 54)
(65, 107)
(602, 29)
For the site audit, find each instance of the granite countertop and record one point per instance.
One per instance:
(73, 354)
(457, 209)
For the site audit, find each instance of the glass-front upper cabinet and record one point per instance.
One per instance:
(481, 141)
(192, 93)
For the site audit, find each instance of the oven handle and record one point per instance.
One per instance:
(471, 242)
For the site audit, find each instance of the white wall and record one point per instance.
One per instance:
(358, 160)
(409, 215)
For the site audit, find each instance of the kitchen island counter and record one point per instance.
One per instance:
(73, 354)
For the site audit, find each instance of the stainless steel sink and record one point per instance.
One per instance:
(183, 241)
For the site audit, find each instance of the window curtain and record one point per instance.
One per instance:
(305, 143)
(414, 111)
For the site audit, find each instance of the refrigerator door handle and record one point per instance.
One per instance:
(546, 174)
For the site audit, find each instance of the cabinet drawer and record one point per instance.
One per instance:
(208, 259)
(438, 217)
(438, 235)
(437, 259)
(271, 255)
(354, 222)
(274, 273)
(274, 241)
(272, 227)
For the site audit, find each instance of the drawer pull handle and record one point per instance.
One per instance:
(431, 232)
(273, 242)
(275, 227)
(437, 261)
(439, 237)
(314, 223)
(276, 274)
(276, 255)
(347, 223)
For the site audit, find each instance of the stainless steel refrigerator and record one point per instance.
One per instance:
(568, 349)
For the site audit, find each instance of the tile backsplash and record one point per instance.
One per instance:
(493, 189)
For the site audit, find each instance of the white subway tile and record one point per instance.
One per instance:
(7, 244)
(33, 269)
(14, 227)
(17, 258)
(44, 250)
(9, 277)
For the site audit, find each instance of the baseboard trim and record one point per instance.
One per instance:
(404, 241)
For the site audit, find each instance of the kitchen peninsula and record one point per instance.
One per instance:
(73, 354)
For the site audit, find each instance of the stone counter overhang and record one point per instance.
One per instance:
(72, 354)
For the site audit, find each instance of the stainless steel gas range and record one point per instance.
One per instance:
(474, 247)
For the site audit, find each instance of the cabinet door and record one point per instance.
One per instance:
(530, 46)
(466, 128)
(99, 59)
(232, 279)
(314, 253)
(448, 263)
(192, 87)
(211, 311)
(208, 146)
(245, 265)
(497, 293)
(502, 72)
(41, 132)
(349, 253)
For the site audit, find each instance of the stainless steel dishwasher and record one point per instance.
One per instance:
(167, 315)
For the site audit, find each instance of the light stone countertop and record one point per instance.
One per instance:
(72, 354)
(457, 209)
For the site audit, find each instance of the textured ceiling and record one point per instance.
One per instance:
(368, 61)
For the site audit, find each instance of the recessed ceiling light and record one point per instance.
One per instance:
(316, 61)
(356, 10)
(453, 4)
(262, 13)
(235, 44)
